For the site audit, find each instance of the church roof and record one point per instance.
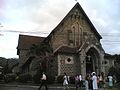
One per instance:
(26, 41)
(109, 56)
(88, 20)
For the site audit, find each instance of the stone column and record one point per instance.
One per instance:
(83, 64)
(59, 71)
(102, 69)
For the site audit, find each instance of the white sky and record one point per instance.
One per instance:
(42, 16)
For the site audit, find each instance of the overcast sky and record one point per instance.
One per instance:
(41, 17)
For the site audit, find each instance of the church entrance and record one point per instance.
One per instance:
(89, 64)
(92, 61)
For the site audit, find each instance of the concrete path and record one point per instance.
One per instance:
(16, 86)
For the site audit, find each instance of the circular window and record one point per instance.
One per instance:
(68, 59)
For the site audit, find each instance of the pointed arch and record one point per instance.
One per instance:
(93, 59)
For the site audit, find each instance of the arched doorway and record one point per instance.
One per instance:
(92, 61)
(89, 64)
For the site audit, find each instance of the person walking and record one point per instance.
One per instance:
(43, 81)
(94, 81)
(65, 81)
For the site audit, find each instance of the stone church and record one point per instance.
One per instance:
(76, 45)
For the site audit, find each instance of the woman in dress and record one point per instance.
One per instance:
(110, 80)
(65, 82)
(94, 81)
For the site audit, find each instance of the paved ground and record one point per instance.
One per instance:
(15, 86)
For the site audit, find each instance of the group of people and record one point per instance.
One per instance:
(91, 81)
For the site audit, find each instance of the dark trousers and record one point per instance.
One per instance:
(90, 84)
(78, 85)
(43, 82)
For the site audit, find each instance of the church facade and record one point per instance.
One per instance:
(76, 45)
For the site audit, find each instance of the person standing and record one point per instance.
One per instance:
(86, 83)
(110, 80)
(80, 81)
(89, 78)
(94, 81)
(65, 81)
(101, 80)
(77, 81)
(43, 81)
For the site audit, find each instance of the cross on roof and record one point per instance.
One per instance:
(76, 0)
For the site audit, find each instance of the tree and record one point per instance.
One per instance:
(42, 50)
(43, 53)
(116, 69)
(7, 64)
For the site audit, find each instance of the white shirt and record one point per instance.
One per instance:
(65, 82)
(43, 77)
(110, 78)
(80, 77)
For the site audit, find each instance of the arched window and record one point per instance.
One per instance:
(70, 37)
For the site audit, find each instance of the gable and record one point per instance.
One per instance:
(80, 14)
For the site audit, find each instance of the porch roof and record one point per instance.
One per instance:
(65, 49)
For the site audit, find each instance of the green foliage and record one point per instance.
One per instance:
(40, 49)
(2, 61)
(60, 79)
(50, 79)
(8, 64)
(112, 71)
(36, 78)
(24, 78)
(117, 58)
(9, 77)
(72, 79)
(115, 71)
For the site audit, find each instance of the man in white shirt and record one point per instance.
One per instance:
(43, 81)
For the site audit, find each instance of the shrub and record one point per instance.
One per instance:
(36, 78)
(72, 79)
(9, 77)
(60, 79)
(50, 79)
(115, 71)
(24, 78)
